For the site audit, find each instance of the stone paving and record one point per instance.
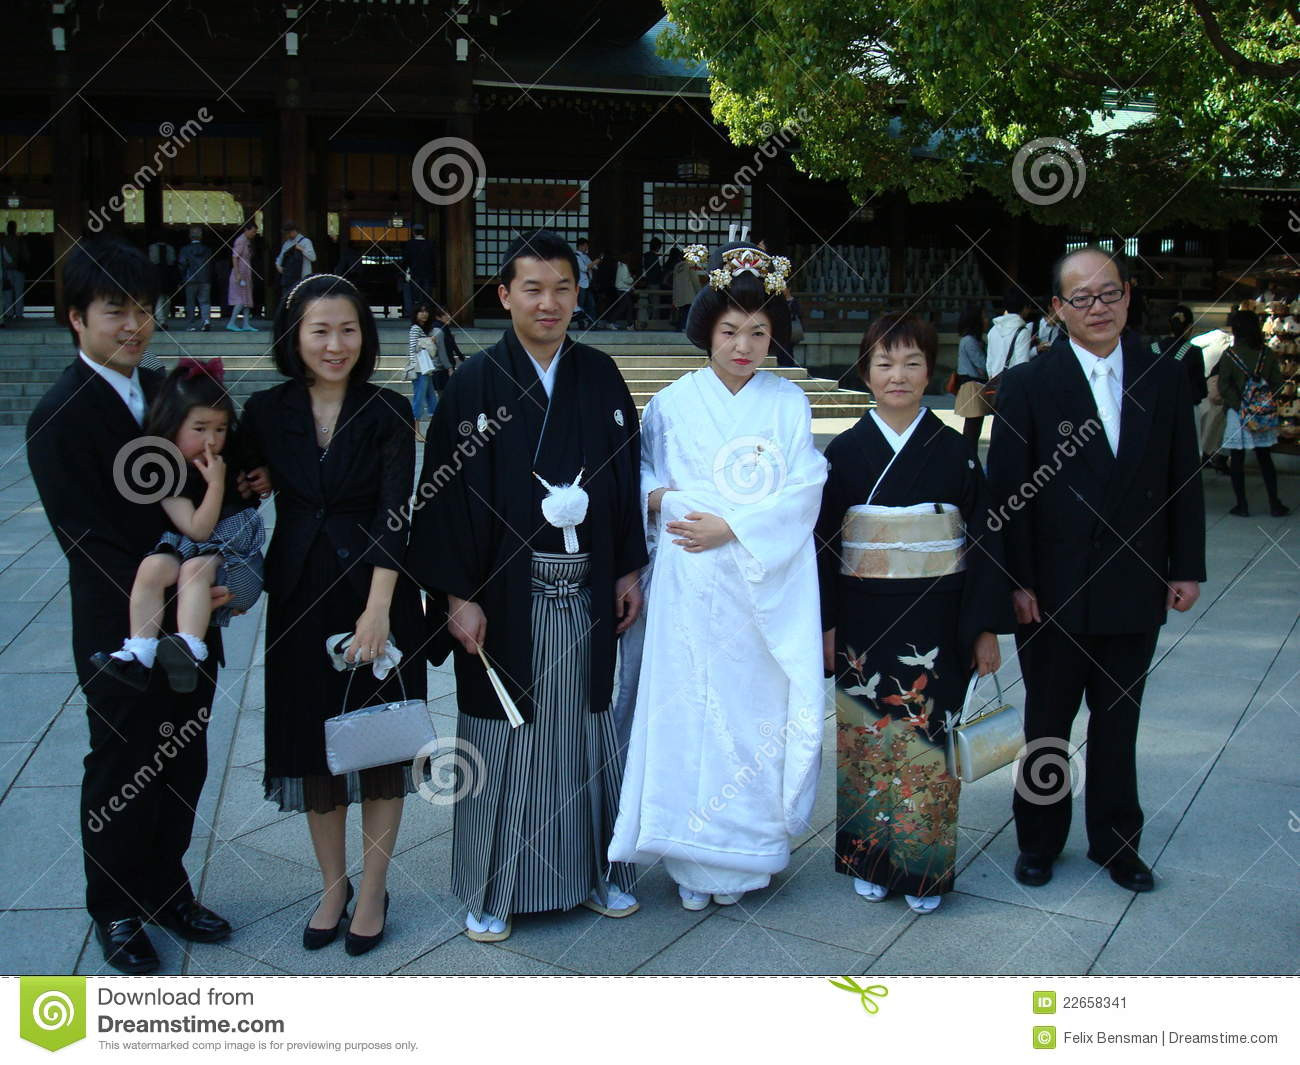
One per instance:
(1217, 769)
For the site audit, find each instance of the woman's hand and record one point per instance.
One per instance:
(370, 636)
(655, 499)
(988, 655)
(700, 532)
(255, 482)
(828, 650)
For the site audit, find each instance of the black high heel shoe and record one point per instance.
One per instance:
(357, 945)
(315, 938)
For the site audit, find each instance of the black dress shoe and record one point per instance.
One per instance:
(1128, 871)
(126, 946)
(175, 656)
(1032, 870)
(131, 673)
(357, 945)
(315, 938)
(193, 921)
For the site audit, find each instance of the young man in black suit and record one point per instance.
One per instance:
(148, 750)
(1094, 461)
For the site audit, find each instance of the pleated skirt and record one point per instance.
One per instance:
(535, 835)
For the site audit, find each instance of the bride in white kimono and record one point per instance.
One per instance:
(726, 737)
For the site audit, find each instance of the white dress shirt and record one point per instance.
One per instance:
(897, 441)
(1088, 362)
(129, 388)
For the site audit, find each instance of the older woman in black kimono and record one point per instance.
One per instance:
(912, 595)
(340, 453)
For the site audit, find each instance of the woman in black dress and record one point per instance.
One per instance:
(340, 453)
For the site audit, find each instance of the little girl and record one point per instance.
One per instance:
(217, 541)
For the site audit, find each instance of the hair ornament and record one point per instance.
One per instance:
(288, 302)
(192, 368)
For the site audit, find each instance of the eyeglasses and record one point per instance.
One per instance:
(1085, 302)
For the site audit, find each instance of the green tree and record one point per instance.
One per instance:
(1167, 103)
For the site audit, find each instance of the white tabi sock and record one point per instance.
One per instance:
(197, 647)
(141, 648)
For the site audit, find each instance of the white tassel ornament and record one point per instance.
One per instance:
(565, 507)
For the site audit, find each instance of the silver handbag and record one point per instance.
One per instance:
(987, 741)
(383, 734)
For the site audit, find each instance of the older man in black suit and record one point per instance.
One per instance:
(148, 750)
(1094, 461)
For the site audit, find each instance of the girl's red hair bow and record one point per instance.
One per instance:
(193, 368)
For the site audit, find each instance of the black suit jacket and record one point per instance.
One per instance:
(75, 434)
(374, 446)
(1095, 535)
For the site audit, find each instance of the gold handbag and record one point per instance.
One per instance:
(991, 739)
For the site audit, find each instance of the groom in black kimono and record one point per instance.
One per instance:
(1094, 466)
(536, 409)
(148, 750)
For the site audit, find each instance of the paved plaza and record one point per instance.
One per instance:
(1217, 769)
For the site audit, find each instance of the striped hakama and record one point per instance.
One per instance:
(536, 835)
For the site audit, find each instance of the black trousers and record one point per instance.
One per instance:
(139, 790)
(1060, 670)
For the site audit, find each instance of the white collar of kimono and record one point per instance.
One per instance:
(547, 376)
(897, 441)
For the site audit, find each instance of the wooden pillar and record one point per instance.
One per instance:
(69, 214)
(898, 243)
(458, 250)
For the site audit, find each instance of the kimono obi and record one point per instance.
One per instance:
(925, 540)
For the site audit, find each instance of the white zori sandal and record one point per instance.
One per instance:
(692, 900)
(923, 904)
(618, 903)
(489, 930)
(869, 891)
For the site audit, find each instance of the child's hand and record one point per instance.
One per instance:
(211, 465)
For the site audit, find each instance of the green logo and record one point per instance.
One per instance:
(1045, 1038)
(1044, 1001)
(867, 995)
(52, 1010)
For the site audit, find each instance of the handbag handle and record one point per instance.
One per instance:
(962, 719)
(352, 673)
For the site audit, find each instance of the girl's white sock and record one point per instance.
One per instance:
(197, 647)
(141, 648)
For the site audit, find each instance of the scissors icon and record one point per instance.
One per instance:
(866, 994)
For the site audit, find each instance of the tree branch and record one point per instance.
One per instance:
(1250, 68)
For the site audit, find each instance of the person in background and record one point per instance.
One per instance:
(195, 263)
(419, 364)
(624, 305)
(163, 257)
(418, 264)
(295, 259)
(972, 368)
(1179, 347)
(1250, 362)
(686, 283)
(586, 305)
(1009, 340)
(15, 271)
(240, 292)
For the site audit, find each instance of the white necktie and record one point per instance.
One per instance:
(1107, 408)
